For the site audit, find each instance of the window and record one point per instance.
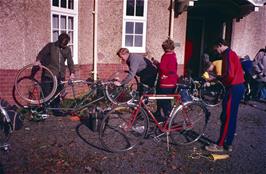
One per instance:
(64, 19)
(134, 25)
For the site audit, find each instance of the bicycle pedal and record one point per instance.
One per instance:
(157, 139)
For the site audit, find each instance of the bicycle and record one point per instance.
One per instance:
(125, 126)
(211, 93)
(27, 93)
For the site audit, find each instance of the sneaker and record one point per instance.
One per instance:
(214, 148)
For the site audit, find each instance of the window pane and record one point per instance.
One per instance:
(55, 21)
(70, 4)
(129, 40)
(63, 22)
(63, 3)
(139, 28)
(55, 35)
(71, 37)
(138, 41)
(70, 23)
(130, 7)
(129, 27)
(139, 7)
(56, 3)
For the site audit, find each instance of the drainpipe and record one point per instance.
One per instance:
(95, 29)
(171, 31)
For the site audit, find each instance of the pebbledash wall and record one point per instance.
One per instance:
(25, 27)
(248, 35)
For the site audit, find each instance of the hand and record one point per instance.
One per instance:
(72, 76)
(37, 63)
(164, 77)
(117, 83)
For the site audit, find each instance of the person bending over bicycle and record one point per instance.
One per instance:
(138, 65)
(211, 69)
(53, 55)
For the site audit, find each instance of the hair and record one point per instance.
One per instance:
(168, 45)
(63, 36)
(122, 51)
(219, 42)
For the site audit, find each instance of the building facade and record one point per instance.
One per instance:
(98, 28)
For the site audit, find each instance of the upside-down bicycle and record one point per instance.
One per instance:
(76, 95)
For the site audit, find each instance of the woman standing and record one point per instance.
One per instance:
(167, 78)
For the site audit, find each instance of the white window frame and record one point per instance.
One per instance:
(71, 13)
(143, 20)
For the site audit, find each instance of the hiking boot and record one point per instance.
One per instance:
(214, 148)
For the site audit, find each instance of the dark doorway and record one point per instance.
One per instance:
(195, 35)
(208, 20)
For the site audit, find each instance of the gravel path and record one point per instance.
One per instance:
(59, 145)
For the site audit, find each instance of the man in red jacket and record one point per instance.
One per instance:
(233, 79)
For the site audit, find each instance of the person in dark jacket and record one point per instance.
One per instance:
(138, 66)
(53, 55)
(233, 80)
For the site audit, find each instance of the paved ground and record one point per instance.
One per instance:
(59, 145)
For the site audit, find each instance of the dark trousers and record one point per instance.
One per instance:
(165, 105)
(230, 107)
(47, 86)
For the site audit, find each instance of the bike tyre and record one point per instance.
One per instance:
(115, 137)
(182, 133)
(18, 79)
(212, 96)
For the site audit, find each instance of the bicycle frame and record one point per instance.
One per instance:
(76, 106)
(164, 128)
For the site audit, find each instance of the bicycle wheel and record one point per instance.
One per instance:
(212, 94)
(188, 123)
(118, 134)
(28, 78)
(122, 94)
(31, 89)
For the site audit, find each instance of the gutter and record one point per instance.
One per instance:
(95, 37)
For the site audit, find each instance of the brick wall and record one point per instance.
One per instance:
(7, 77)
